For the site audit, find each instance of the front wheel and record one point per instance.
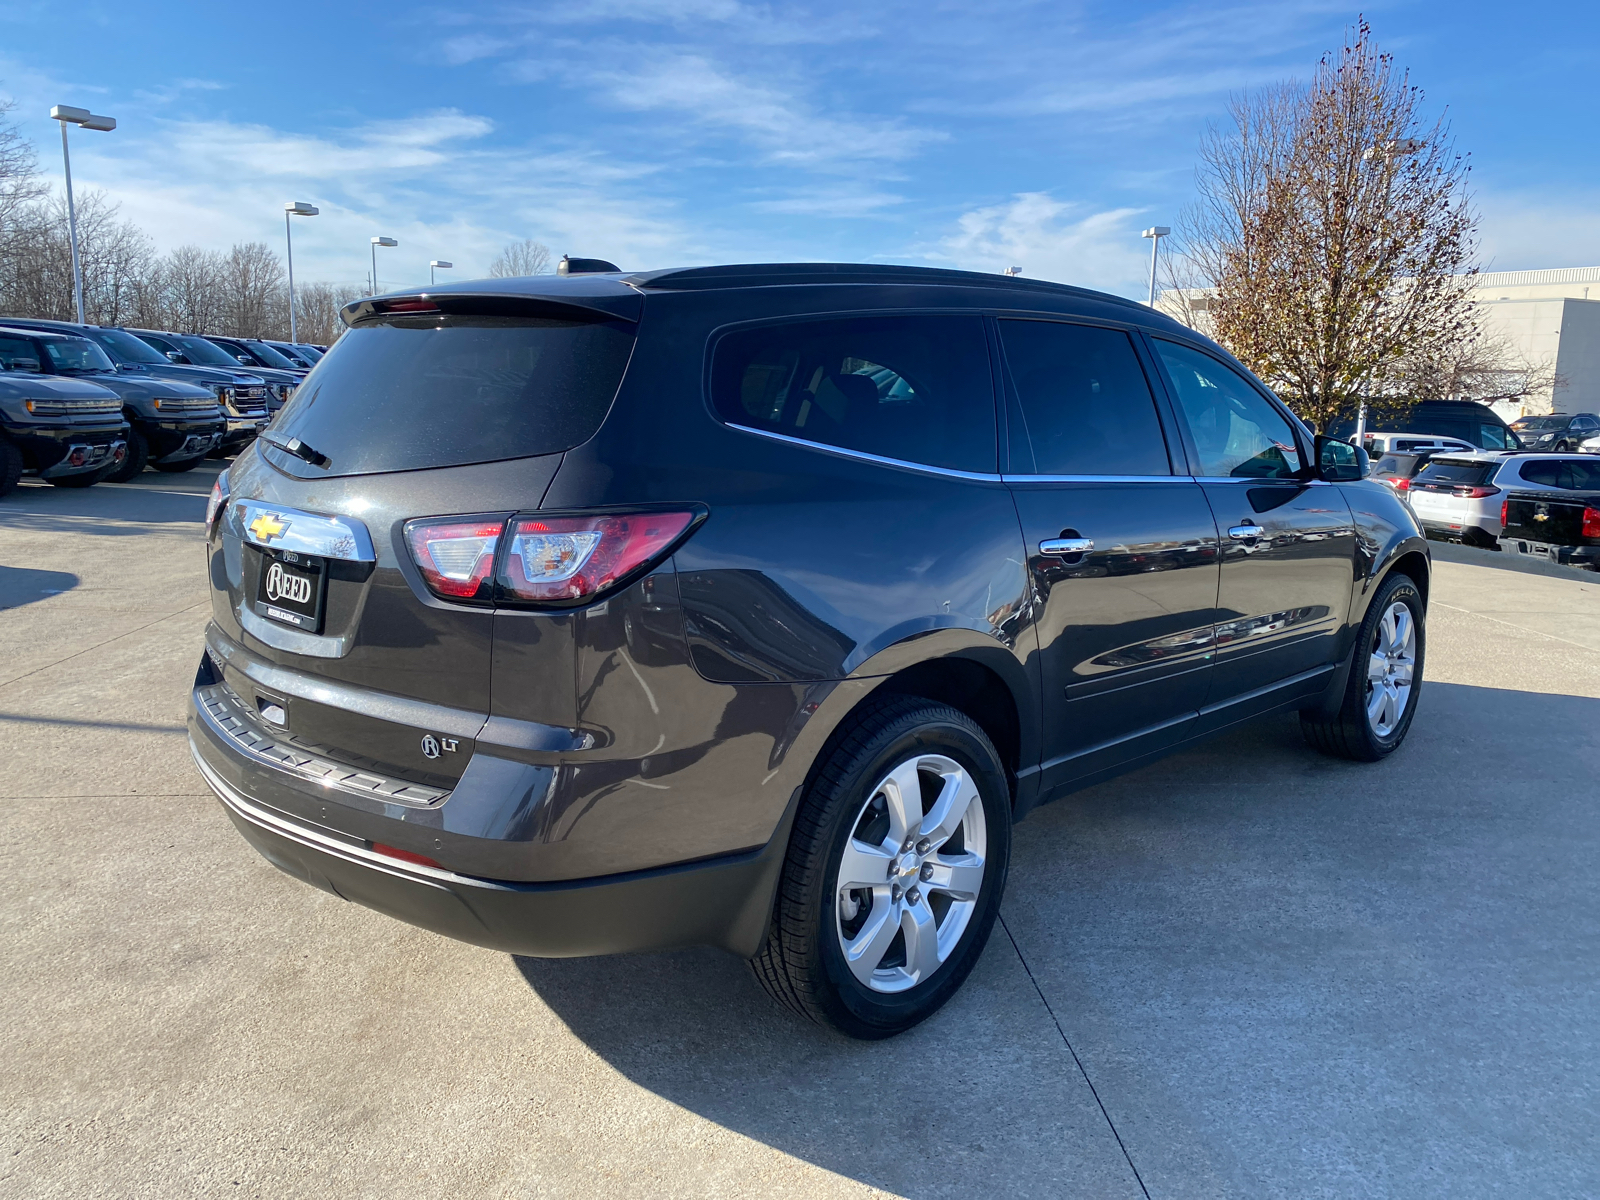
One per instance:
(1385, 679)
(895, 871)
(133, 462)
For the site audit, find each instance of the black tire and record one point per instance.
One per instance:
(1350, 733)
(1561, 448)
(802, 965)
(174, 468)
(10, 467)
(133, 463)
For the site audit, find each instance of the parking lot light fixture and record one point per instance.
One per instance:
(294, 208)
(1155, 233)
(82, 117)
(437, 264)
(376, 242)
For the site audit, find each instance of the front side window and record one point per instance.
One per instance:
(914, 388)
(1493, 437)
(1237, 433)
(203, 353)
(1083, 405)
(18, 354)
(124, 347)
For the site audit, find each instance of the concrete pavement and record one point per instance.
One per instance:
(1244, 971)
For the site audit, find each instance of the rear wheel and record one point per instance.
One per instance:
(895, 871)
(1385, 679)
(10, 467)
(133, 464)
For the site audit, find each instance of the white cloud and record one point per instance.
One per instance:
(1049, 240)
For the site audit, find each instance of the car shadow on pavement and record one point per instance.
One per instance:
(25, 585)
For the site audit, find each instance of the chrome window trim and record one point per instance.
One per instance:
(1098, 478)
(343, 538)
(863, 456)
(1258, 480)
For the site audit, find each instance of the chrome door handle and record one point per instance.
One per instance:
(1246, 533)
(1066, 546)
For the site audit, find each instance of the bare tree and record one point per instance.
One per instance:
(36, 278)
(1335, 235)
(521, 258)
(192, 287)
(317, 308)
(20, 185)
(1488, 368)
(253, 279)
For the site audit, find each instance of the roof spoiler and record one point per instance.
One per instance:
(624, 306)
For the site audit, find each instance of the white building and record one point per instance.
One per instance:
(1546, 318)
(1549, 320)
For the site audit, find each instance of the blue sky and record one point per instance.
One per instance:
(672, 132)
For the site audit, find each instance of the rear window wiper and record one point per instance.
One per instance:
(299, 449)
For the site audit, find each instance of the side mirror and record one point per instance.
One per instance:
(174, 356)
(1340, 462)
(245, 359)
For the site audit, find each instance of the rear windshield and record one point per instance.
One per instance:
(447, 391)
(1395, 466)
(1457, 473)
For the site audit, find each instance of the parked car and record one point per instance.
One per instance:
(1463, 420)
(192, 348)
(1559, 432)
(69, 432)
(1459, 497)
(1590, 445)
(173, 426)
(243, 397)
(1378, 444)
(1560, 524)
(1398, 470)
(751, 606)
(302, 358)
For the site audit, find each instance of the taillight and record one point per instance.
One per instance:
(1399, 485)
(1505, 508)
(1474, 493)
(218, 497)
(1591, 522)
(456, 558)
(569, 560)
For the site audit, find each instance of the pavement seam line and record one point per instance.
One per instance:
(1093, 1091)
(1472, 612)
(107, 642)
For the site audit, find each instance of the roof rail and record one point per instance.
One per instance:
(769, 274)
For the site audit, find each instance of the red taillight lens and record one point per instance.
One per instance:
(1399, 484)
(1474, 493)
(1591, 522)
(567, 560)
(421, 860)
(456, 558)
(1505, 507)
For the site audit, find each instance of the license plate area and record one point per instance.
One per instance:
(292, 589)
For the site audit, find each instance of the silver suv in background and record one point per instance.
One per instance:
(1458, 496)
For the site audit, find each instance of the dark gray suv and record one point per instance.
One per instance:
(753, 606)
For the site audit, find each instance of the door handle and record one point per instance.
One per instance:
(1246, 533)
(1066, 547)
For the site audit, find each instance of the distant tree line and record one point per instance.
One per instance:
(241, 292)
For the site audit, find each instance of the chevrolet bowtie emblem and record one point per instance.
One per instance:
(268, 526)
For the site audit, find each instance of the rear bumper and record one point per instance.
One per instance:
(722, 902)
(1577, 556)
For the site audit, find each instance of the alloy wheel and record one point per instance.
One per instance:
(912, 869)
(1390, 668)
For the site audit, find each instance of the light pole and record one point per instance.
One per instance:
(1155, 233)
(376, 242)
(1388, 151)
(82, 117)
(295, 208)
(438, 264)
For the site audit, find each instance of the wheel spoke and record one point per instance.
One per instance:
(922, 940)
(1402, 630)
(902, 792)
(950, 809)
(863, 865)
(960, 876)
(1386, 629)
(865, 951)
(1377, 668)
(1375, 704)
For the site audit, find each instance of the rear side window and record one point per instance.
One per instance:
(1396, 466)
(1237, 432)
(18, 354)
(447, 391)
(1574, 475)
(915, 388)
(1083, 405)
(1456, 473)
